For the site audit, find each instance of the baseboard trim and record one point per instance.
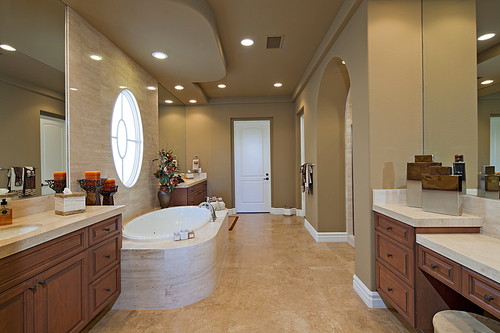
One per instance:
(351, 240)
(325, 236)
(280, 211)
(299, 212)
(371, 298)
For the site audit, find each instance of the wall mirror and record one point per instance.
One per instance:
(32, 89)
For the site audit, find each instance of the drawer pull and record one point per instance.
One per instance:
(32, 288)
(434, 266)
(389, 289)
(108, 256)
(108, 289)
(388, 228)
(389, 255)
(107, 229)
(488, 298)
(42, 282)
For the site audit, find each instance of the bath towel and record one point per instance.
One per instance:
(16, 179)
(29, 180)
(306, 171)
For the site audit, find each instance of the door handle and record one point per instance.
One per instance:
(267, 178)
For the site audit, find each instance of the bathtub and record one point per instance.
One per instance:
(168, 274)
(161, 224)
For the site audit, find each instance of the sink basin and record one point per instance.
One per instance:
(13, 231)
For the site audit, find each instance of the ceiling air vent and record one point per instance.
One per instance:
(274, 42)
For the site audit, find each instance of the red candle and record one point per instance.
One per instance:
(109, 182)
(92, 175)
(59, 175)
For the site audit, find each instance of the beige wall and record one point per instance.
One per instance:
(450, 82)
(20, 134)
(90, 111)
(208, 134)
(172, 131)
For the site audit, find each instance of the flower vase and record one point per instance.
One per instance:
(164, 196)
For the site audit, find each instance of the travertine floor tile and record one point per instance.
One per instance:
(276, 278)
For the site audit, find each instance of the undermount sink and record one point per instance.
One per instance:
(13, 231)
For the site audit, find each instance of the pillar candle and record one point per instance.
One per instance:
(109, 183)
(59, 175)
(93, 175)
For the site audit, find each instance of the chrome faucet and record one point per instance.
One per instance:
(210, 208)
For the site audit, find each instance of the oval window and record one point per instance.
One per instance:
(126, 138)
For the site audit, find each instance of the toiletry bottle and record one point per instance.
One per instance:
(191, 234)
(184, 234)
(5, 213)
(177, 236)
(459, 170)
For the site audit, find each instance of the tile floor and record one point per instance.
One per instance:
(275, 278)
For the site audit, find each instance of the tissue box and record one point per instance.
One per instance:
(69, 204)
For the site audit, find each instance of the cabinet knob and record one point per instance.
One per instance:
(389, 255)
(107, 229)
(32, 288)
(488, 298)
(389, 289)
(388, 228)
(108, 289)
(42, 282)
(108, 256)
(434, 266)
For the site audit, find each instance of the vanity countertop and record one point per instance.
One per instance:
(191, 182)
(478, 252)
(416, 217)
(52, 226)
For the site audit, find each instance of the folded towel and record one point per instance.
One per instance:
(29, 180)
(16, 179)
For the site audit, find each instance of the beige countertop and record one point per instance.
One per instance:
(478, 252)
(52, 226)
(191, 182)
(416, 217)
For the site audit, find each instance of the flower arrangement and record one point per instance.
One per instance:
(167, 173)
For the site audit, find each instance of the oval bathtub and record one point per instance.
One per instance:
(161, 224)
(165, 274)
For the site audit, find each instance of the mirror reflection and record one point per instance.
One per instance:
(32, 93)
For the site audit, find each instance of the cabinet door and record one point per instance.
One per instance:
(61, 298)
(16, 309)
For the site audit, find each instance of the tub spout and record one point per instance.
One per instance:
(210, 208)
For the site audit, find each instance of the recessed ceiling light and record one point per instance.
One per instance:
(74, 89)
(486, 36)
(169, 101)
(247, 42)
(192, 101)
(278, 85)
(160, 55)
(487, 82)
(151, 88)
(222, 86)
(343, 62)
(95, 57)
(179, 87)
(7, 47)
(122, 87)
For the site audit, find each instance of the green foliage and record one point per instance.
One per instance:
(167, 172)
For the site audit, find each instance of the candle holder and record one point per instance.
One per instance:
(107, 195)
(56, 184)
(92, 187)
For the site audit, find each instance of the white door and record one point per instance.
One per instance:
(303, 158)
(252, 166)
(495, 142)
(52, 149)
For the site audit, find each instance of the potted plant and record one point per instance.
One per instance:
(168, 176)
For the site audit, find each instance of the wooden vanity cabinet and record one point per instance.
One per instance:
(189, 196)
(60, 285)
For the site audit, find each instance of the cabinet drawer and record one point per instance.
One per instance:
(396, 257)
(103, 256)
(105, 229)
(20, 266)
(442, 268)
(104, 289)
(398, 293)
(400, 232)
(482, 291)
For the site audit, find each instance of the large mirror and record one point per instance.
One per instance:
(32, 91)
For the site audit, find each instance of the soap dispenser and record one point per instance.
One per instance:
(5, 213)
(459, 170)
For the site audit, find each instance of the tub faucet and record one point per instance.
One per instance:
(210, 208)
